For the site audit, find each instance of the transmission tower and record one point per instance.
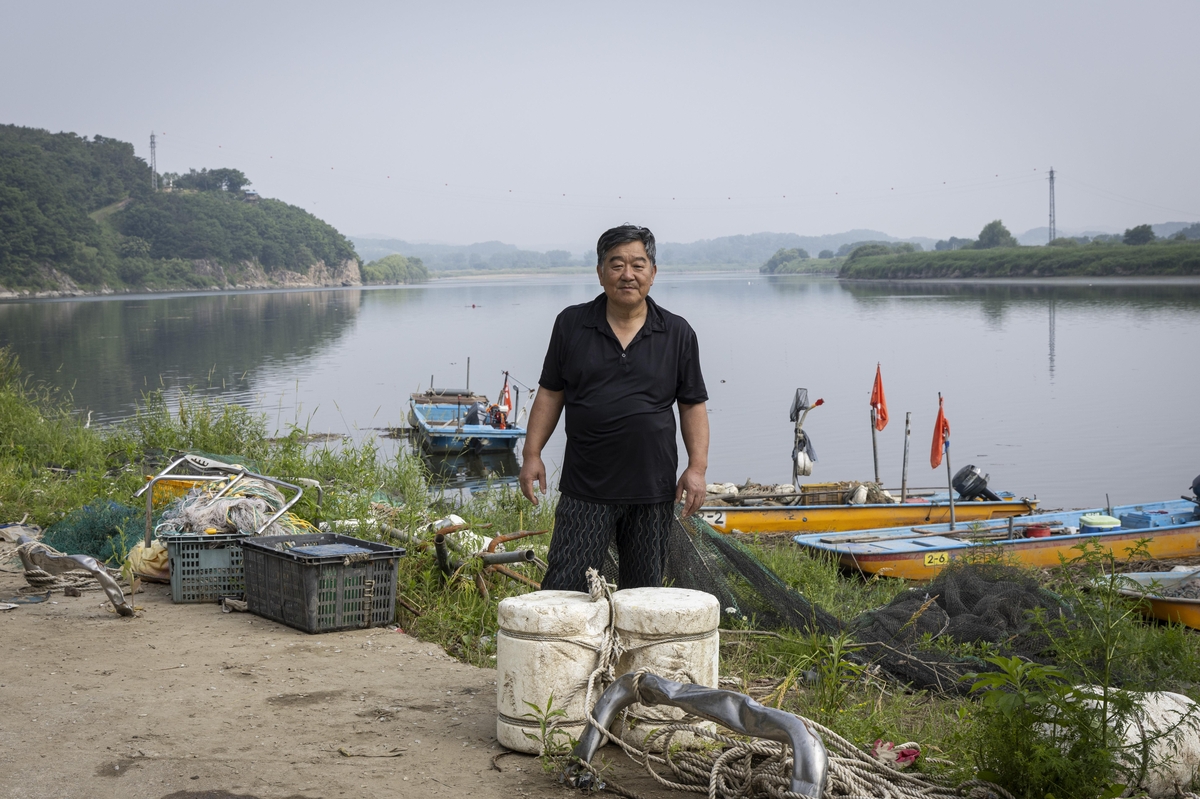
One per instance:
(154, 168)
(1053, 233)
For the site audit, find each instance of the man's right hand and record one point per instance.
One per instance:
(532, 469)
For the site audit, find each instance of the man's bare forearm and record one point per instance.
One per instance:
(693, 424)
(543, 418)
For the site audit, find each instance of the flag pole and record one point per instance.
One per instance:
(875, 445)
(949, 474)
(904, 473)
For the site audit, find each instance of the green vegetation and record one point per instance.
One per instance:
(1160, 258)
(221, 226)
(798, 262)
(395, 269)
(1026, 731)
(79, 211)
(1139, 235)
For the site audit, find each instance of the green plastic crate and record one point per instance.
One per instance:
(319, 592)
(205, 568)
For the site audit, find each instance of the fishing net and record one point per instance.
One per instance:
(104, 530)
(245, 508)
(968, 603)
(702, 559)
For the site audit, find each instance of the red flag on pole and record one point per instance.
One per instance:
(878, 401)
(941, 437)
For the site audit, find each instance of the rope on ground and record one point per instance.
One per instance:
(40, 580)
(737, 769)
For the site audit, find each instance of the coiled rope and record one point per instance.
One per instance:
(40, 580)
(744, 769)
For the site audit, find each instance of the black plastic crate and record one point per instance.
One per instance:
(321, 582)
(205, 568)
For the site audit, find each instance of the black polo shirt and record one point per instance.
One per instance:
(620, 403)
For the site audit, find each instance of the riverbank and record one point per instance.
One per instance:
(1159, 259)
(181, 692)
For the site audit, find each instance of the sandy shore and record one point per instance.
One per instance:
(187, 702)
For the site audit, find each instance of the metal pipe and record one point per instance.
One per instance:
(950, 478)
(206, 478)
(904, 474)
(443, 554)
(875, 446)
(170, 466)
(520, 556)
(737, 712)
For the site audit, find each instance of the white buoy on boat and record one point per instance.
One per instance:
(671, 632)
(548, 645)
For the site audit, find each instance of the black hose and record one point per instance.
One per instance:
(443, 554)
(520, 556)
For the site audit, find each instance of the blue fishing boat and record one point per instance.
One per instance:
(1169, 529)
(452, 420)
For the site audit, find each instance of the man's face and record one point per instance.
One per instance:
(627, 274)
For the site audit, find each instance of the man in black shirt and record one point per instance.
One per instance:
(618, 364)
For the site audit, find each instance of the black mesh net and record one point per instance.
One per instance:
(702, 559)
(967, 603)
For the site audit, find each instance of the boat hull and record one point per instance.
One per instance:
(1179, 610)
(920, 553)
(439, 428)
(773, 519)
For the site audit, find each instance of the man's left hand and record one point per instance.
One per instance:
(691, 481)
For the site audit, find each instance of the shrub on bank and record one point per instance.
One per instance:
(1168, 258)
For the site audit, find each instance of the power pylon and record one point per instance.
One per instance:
(1053, 233)
(154, 165)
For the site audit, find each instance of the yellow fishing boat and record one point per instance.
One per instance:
(839, 518)
(1149, 586)
(1166, 530)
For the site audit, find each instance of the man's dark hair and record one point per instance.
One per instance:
(623, 235)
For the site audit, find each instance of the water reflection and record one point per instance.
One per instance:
(107, 353)
(472, 471)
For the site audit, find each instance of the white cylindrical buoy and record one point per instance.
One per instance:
(548, 645)
(671, 632)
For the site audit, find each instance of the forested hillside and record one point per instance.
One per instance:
(80, 214)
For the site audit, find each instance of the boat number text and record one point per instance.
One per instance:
(715, 518)
(937, 558)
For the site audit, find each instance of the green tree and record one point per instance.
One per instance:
(995, 234)
(1136, 236)
(825, 254)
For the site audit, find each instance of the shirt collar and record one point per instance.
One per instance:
(599, 306)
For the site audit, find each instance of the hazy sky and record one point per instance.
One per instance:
(543, 124)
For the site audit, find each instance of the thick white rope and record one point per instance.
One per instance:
(756, 768)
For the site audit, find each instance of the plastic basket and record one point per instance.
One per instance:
(823, 493)
(205, 568)
(321, 582)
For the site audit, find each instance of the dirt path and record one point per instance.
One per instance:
(187, 702)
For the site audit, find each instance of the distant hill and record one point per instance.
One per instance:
(1041, 235)
(748, 251)
(487, 255)
(79, 215)
(755, 249)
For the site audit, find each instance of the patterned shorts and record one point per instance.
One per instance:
(583, 532)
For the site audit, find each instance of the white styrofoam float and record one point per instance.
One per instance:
(671, 632)
(548, 645)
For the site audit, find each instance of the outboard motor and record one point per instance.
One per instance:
(476, 413)
(1196, 487)
(970, 483)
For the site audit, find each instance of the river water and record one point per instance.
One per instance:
(1066, 390)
